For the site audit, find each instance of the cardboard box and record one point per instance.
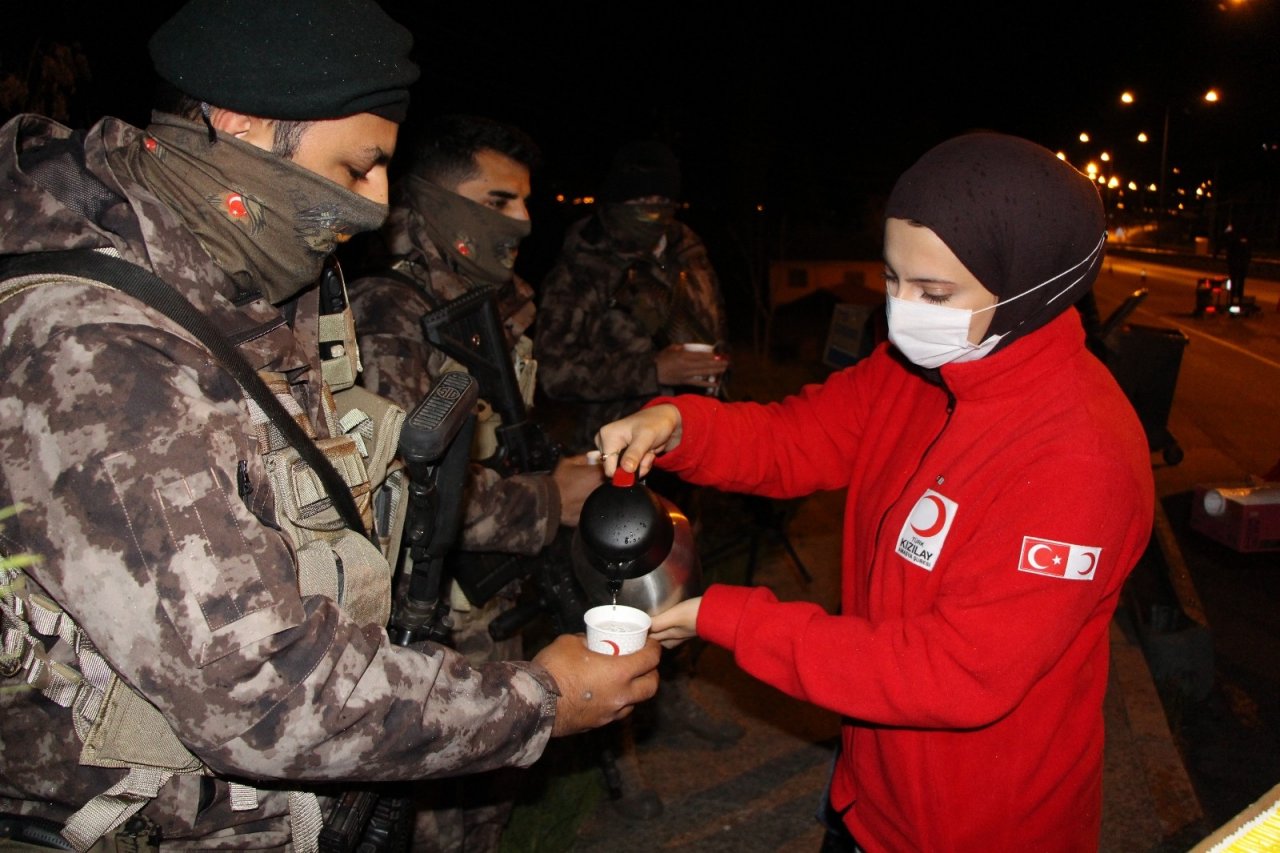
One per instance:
(1242, 516)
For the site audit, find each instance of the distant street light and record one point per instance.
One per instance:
(1126, 97)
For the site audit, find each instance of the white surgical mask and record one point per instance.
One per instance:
(933, 335)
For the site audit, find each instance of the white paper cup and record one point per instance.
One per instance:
(703, 348)
(616, 629)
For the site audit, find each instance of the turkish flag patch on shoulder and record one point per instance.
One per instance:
(1058, 559)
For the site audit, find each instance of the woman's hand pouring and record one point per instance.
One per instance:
(636, 440)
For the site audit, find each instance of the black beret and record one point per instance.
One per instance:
(642, 168)
(294, 60)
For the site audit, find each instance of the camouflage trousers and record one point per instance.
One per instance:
(464, 815)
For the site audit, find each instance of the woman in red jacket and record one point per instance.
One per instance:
(999, 491)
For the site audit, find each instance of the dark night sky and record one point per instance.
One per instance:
(800, 105)
(845, 89)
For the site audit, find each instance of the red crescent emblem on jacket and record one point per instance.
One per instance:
(936, 527)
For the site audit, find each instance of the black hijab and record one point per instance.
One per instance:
(1016, 216)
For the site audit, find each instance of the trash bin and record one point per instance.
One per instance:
(1145, 360)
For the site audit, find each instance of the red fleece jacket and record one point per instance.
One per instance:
(988, 532)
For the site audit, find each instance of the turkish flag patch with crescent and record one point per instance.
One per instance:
(1058, 559)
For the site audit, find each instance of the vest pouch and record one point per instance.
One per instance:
(129, 731)
(332, 560)
(375, 423)
(117, 726)
(351, 570)
(307, 506)
(339, 353)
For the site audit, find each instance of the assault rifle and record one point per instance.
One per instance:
(435, 444)
(469, 329)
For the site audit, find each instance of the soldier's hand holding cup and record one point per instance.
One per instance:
(691, 364)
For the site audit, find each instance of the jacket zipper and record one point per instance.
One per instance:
(875, 544)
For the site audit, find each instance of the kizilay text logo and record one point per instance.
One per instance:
(925, 530)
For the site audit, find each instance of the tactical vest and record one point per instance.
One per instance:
(117, 726)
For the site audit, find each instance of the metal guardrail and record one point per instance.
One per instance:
(1260, 267)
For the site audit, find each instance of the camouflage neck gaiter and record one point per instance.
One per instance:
(480, 242)
(636, 227)
(266, 221)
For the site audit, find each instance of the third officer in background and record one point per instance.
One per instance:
(631, 287)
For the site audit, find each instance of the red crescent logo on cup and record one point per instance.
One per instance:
(611, 644)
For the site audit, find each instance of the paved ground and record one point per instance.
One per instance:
(1217, 666)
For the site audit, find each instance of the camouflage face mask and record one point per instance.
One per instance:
(637, 227)
(266, 221)
(482, 243)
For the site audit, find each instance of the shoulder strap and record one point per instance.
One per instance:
(150, 289)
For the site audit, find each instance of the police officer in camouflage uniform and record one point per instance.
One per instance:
(168, 600)
(456, 221)
(631, 286)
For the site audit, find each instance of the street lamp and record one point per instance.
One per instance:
(1127, 98)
